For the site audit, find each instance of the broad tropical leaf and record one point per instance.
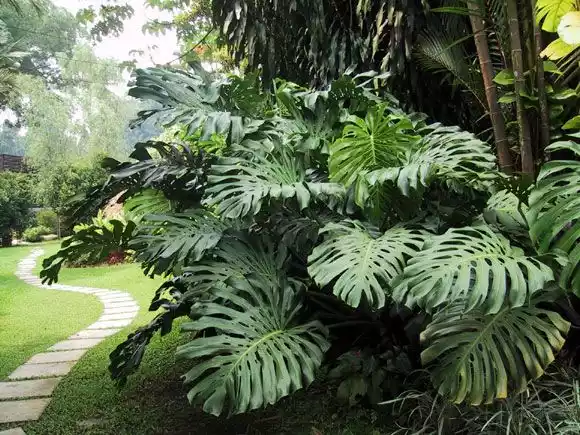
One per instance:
(237, 256)
(550, 12)
(506, 211)
(445, 153)
(477, 358)
(361, 261)
(169, 240)
(95, 242)
(473, 266)
(378, 141)
(261, 353)
(554, 213)
(240, 187)
(148, 201)
(200, 101)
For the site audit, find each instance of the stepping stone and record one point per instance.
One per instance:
(121, 305)
(113, 295)
(14, 431)
(94, 333)
(121, 310)
(85, 343)
(22, 410)
(119, 316)
(31, 388)
(52, 357)
(119, 300)
(27, 371)
(110, 324)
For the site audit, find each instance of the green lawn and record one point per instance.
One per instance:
(153, 401)
(33, 319)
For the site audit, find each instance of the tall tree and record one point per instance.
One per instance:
(47, 36)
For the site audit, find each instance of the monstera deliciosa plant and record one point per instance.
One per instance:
(296, 226)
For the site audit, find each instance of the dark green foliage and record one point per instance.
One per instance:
(95, 242)
(15, 203)
(327, 209)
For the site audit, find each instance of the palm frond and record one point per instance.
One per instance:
(550, 12)
(440, 49)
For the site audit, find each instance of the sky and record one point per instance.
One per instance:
(132, 38)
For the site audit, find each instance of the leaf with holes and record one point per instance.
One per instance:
(261, 352)
(361, 262)
(473, 266)
(477, 358)
(554, 213)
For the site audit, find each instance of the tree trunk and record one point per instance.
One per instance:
(497, 121)
(541, 83)
(519, 87)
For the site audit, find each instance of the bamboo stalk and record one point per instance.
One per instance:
(541, 83)
(497, 121)
(526, 153)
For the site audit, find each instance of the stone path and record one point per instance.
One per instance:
(27, 392)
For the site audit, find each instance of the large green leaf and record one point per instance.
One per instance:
(445, 153)
(505, 211)
(477, 358)
(169, 240)
(554, 213)
(238, 256)
(473, 266)
(552, 11)
(147, 201)
(93, 242)
(240, 187)
(380, 140)
(361, 261)
(261, 352)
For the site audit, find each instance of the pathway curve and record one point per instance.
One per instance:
(27, 392)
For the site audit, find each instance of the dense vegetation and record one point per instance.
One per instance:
(411, 234)
(282, 220)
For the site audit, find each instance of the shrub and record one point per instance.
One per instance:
(15, 204)
(334, 222)
(34, 234)
(47, 218)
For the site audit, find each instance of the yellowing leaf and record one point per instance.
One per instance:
(552, 11)
(558, 49)
(572, 124)
(569, 28)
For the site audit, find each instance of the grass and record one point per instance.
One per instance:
(33, 319)
(154, 400)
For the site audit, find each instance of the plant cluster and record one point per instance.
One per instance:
(302, 225)
(35, 234)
